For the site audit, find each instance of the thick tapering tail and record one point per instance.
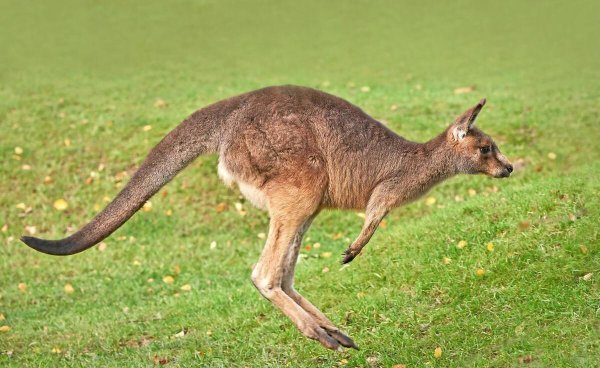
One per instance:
(196, 135)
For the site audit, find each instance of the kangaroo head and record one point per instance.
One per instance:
(474, 151)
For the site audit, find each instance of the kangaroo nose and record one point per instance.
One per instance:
(509, 168)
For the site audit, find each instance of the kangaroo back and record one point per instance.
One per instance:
(198, 134)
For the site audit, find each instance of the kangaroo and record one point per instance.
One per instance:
(294, 151)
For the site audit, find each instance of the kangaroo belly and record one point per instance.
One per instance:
(251, 192)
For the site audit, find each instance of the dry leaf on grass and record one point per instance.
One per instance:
(490, 247)
(69, 289)
(160, 360)
(147, 206)
(168, 279)
(462, 90)
(221, 207)
(22, 287)
(186, 287)
(437, 353)
(461, 244)
(160, 103)
(526, 359)
(480, 272)
(60, 204)
(4, 328)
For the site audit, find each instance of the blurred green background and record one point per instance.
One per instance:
(88, 87)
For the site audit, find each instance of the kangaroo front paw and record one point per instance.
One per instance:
(348, 256)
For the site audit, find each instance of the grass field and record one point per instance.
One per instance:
(87, 88)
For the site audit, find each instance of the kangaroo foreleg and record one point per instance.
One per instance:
(379, 205)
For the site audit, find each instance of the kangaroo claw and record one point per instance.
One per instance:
(344, 340)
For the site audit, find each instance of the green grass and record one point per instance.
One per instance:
(90, 72)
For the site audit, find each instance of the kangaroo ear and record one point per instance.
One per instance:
(465, 121)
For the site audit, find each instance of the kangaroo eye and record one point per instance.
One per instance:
(485, 150)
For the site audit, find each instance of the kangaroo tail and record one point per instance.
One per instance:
(196, 135)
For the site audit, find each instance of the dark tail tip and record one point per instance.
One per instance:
(52, 247)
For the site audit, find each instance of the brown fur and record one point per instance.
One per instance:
(295, 151)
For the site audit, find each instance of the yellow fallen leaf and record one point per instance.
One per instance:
(47, 179)
(4, 228)
(102, 247)
(22, 287)
(177, 269)
(446, 260)
(160, 103)
(552, 156)
(430, 201)
(325, 270)
(583, 249)
(490, 247)
(26, 167)
(394, 107)
(472, 192)
(18, 150)
(56, 350)
(326, 254)
(147, 206)
(365, 89)
(221, 207)
(2, 318)
(209, 333)
(261, 235)
(169, 212)
(21, 206)
(147, 128)
(186, 287)
(461, 244)
(31, 230)
(67, 142)
(480, 272)
(4, 328)
(69, 289)
(213, 244)
(168, 279)
(317, 245)
(437, 353)
(587, 276)
(61, 204)
(361, 215)
(462, 90)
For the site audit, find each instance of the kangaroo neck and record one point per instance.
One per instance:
(420, 166)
